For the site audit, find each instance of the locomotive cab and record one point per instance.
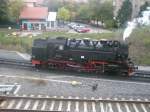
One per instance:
(39, 52)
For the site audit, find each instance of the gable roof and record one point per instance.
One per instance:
(34, 13)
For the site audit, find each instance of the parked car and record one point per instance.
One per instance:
(71, 25)
(83, 30)
(78, 27)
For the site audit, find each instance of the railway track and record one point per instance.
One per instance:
(137, 74)
(142, 74)
(40, 103)
(15, 62)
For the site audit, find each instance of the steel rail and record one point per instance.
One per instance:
(142, 74)
(136, 74)
(15, 62)
(2, 98)
(27, 110)
(75, 101)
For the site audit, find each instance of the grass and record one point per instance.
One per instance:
(78, 35)
(24, 44)
(140, 45)
(139, 39)
(15, 43)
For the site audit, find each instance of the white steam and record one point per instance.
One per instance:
(143, 20)
(129, 29)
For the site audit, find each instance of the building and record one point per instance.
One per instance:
(29, 3)
(33, 18)
(51, 20)
(33, 3)
(36, 17)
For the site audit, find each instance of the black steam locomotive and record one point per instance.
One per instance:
(99, 56)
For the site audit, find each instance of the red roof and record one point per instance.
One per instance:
(34, 13)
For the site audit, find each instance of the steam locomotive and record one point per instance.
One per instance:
(84, 55)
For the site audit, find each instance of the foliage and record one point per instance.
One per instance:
(94, 6)
(101, 11)
(3, 10)
(15, 43)
(10, 10)
(92, 10)
(83, 12)
(110, 24)
(15, 6)
(125, 12)
(72, 7)
(143, 7)
(53, 5)
(140, 45)
(63, 14)
(106, 13)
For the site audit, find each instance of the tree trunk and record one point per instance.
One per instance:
(97, 22)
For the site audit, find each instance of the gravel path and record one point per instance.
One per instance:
(33, 82)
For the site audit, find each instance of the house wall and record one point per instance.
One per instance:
(30, 4)
(33, 24)
(51, 24)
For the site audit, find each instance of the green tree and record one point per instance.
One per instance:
(3, 11)
(83, 12)
(143, 7)
(53, 5)
(94, 6)
(124, 14)
(15, 7)
(72, 6)
(105, 13)
(102, 11)
(63, 14)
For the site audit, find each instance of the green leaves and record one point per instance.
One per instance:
(10, 10)
(15, 6)
(3, 10)
(84, 12)
(125, 12)
(63, 14)
(143, 7)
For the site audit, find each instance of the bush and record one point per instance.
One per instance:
(15, 43)
(110, 24)
(140, 47)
